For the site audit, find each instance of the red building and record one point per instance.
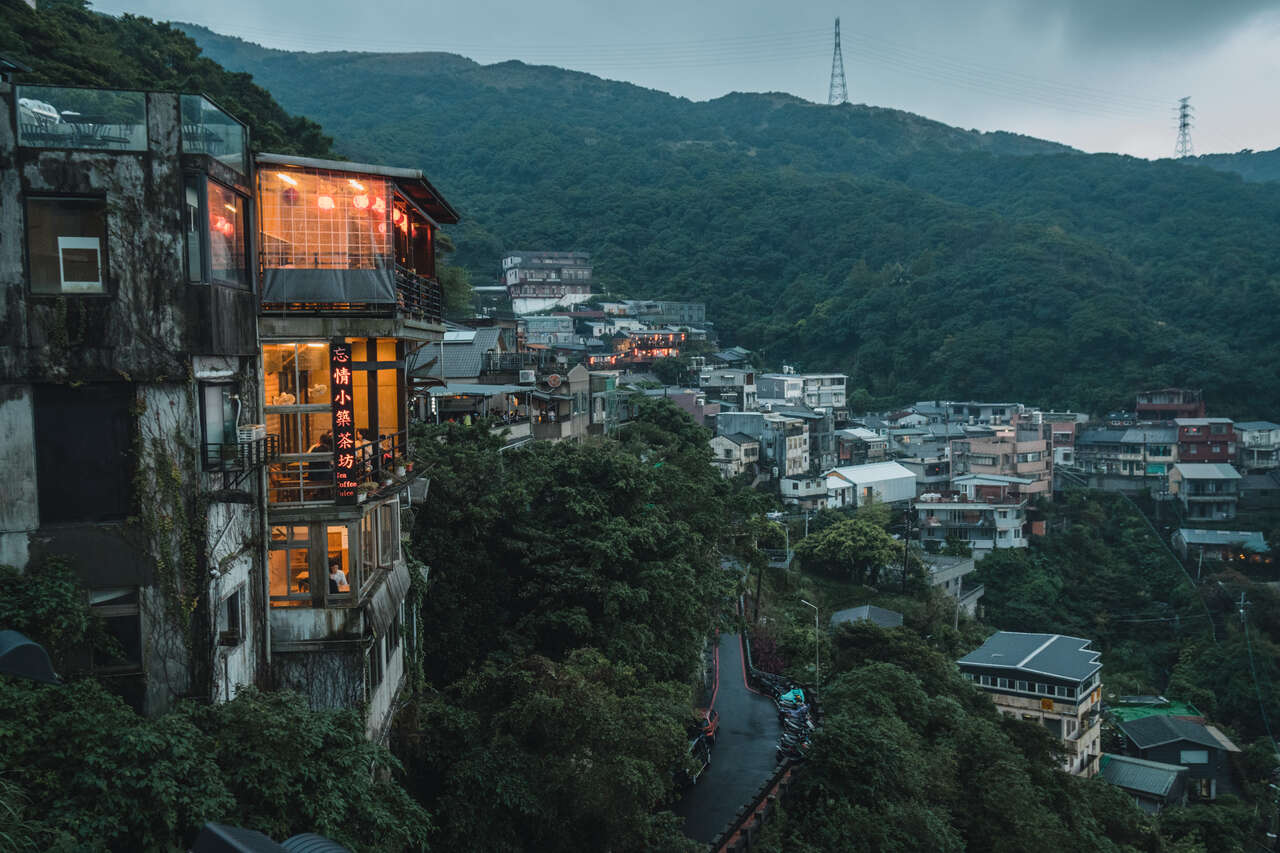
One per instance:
(1206, 439)
(1167, 404)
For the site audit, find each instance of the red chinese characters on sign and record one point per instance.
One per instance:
(344, 428)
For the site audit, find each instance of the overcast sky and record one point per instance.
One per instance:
(1102, 75)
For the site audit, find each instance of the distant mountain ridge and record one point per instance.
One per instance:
(922, 259)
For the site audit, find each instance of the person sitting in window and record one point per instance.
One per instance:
(337, 577)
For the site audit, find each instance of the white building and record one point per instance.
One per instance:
(856, 485)
(816, 390)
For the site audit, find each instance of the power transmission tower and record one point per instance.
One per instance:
(839, 93)
(1183, 149)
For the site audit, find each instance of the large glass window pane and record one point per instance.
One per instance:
(226, 236)
(193, 227)
(368, 542)
(323, 220)
(389, 414)
(288, 566)
(313, 374)
(67, 244)
(208, 130)
(338, 545)
(388, 543)
(67, 117)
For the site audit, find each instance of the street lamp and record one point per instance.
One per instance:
(816, 677)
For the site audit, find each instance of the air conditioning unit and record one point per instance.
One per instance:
(249, 433)
(528, 377)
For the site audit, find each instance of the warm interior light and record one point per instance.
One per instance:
(287, 179)
(379, 205)
(361, 202)
(382, 228)
(230, 207)
(396, 216)
(313, 344)
(356, 184)
(325, 202)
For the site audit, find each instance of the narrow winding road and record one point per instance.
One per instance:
(743, 756)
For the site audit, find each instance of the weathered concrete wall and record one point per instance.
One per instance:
(382, 702)
(139, 328)
(18, 509)
(329, 678)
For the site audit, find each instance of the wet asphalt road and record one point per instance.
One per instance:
(743, 756)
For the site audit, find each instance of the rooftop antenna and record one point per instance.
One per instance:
(1183, 149)
(839, 93)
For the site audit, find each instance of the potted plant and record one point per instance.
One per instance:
(401, 466)
(364, 490)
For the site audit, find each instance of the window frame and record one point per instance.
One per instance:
(230, 609)
(245, 207)
(104, 250)
(209, 463)
(117, 611)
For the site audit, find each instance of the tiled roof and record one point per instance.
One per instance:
(1137, 774)
(1149, 732)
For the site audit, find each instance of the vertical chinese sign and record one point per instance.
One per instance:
(344, 427)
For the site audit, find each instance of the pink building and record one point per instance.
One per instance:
(1024, 451)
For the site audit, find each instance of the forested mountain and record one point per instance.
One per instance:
(1252, 165)
(922, 259)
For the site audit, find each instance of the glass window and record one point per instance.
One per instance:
(218, 424)
(323, 220)
(1002, 682)
(984, 680)
(67, 117)
(375, 664)
(289, 566)
(67, 244)
(296, 390)
(193, 227)
(231, 619)
(1022, 685)
(393, 635)
(208, 130)
(340, 568)
(388, 519)
(226, 231)
(1193, 756)
(120, 646)
(368, 541)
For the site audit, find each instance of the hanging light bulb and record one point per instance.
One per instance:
(360, 202)
(325, 202)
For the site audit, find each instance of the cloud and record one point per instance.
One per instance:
(1138, 24)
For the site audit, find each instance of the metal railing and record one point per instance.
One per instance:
(236, 462)
(298, 478)
(420, 297)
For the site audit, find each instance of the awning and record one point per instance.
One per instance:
(384, 605)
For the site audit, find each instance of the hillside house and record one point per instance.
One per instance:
(1206, 440)
(1205, 491)
(1258, 446)
(1152, 784)
(1243, 545)
(1169, 404)
(1047, 679)
(858, 485)
(986, 512)
(1202, 749)
(735, 453)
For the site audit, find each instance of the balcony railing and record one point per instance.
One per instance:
(236, 462)
(421, 298)
(305, 478)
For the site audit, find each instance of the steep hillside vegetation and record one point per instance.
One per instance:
(66, 43)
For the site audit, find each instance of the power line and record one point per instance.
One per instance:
(1257, 690)
(838, 93)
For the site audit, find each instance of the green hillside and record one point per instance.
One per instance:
(920, 258)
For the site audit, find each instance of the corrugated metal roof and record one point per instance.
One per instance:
(872, 472)
(1137, 774)
(1046, 654)
(1249, 539)
(1150, 435)
(1256, 425)
(1207, 471)
(868, 613)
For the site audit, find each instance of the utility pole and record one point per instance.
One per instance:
(839, 92)
(1183, 149)
(817, 679)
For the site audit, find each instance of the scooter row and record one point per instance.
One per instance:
(797, 726)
